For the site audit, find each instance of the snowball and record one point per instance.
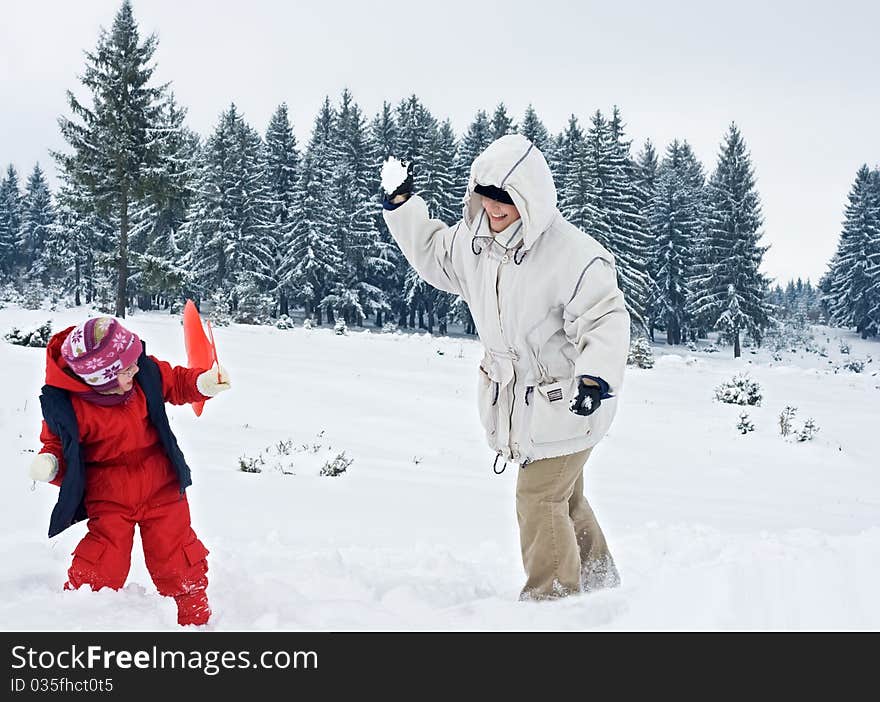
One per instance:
(393, 174)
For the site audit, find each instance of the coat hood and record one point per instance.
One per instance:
(516, 165)
(57, 371)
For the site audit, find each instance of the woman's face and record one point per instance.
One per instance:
(500, 215)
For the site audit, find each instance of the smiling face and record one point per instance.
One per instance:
(500, 215)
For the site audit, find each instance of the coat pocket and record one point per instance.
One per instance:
(195, 552)
(487, 402)
(551, 419)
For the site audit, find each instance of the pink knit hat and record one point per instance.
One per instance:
(98, 349)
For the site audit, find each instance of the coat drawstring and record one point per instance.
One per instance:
(495, 465)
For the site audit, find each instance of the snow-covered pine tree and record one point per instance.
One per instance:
(630, 240)
(232, 242)
(694, 181)
(675, 222)
(646, 188)
(77, 240)
(37, 218)
(254, 254)
(477, 137)
(115, 142)
(352, 296)
(533, 129)
(647, 167)
(314, 262)
(567, 162)
(438, 188)
(383, 143)
(731, 291)
(853, 293)
(417, 129)
(872, 270)
(160, 249)
(10, 221)
(502, 123)
(282, 160)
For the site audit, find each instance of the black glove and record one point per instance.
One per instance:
(406, 187)
(588, 399)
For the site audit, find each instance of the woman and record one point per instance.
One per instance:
(545, 301)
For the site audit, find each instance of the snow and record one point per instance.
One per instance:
(711, 529)
(393, 174)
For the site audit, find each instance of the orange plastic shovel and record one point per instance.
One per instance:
(200, 352)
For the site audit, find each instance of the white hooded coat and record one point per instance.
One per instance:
(544, 298)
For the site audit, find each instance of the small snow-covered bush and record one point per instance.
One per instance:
(284, 322)
(640, 353)
(786, 417)
(248, 464)
(254, 309)
(32, 298)
(337, 466)
(710, 348)
(389, 328)
(307, 323)
(315, 458)
(38, 337)
(844, 347)
(739, 390)
(856, 365)
(788, 430)
(221, 310)
(808, 431)
(745, 424)
(340, 327)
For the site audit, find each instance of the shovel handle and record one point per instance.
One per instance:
(214, 349)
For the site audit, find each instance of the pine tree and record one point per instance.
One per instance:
(116, 142)
(160, 249)
(314, 262)
(419, 141)
(472, 144)
(629, 240)
(675, 221)
(502, 123)
(646, 189)
(567, 162)
(853, 296)
(388, 259)
(872, 270)
(282, 160)
(731, 289)
(534, 130)
(37, 218)
(10, 221)
(79, 249)
(353, 296)
(233, 242)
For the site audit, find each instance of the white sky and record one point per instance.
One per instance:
(799, 78)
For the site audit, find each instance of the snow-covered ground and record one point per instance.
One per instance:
(711, 529)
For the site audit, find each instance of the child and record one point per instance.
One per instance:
(108, 445)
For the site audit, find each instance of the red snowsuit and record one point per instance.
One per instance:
(130, 480)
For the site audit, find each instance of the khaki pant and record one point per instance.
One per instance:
(563, 548)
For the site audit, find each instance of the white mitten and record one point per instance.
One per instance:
(44, 467)
(213, 382)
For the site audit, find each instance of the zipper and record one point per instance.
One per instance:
(514, 453)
